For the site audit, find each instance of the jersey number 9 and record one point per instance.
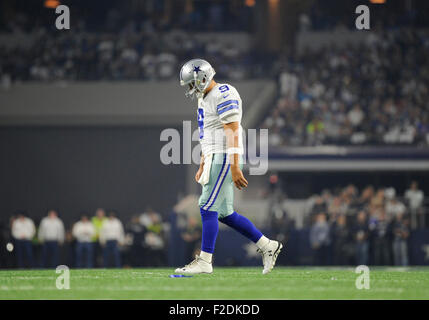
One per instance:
(201, 122)
(223, 88)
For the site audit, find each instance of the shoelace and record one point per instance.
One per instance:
(193, 262)
(270, 252)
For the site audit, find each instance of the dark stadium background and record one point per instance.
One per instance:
(86, 136)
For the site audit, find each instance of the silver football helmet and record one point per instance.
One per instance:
(196, 75)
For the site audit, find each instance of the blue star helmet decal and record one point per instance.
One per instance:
(197, 69)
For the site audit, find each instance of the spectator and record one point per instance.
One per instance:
(393, 206)
(23, 231)
(68, 249)
(378, 200)
(379, 227)
(84, 231)
(337, 207)
(137, 251)
(319, 239)
(281, 224)
(288, 84)
(51, 234)
(274, 184)
(154, 238)
(111, 236)
(166, 65)
(365, 197)
(319, 206)
(401, 233)
(415, 198)
(98, 221)
(356, 115)
(341, 241)
(361, 238)
(315, 131)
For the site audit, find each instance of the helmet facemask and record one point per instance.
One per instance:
(196, 75)
(191, 90)
(196, 87)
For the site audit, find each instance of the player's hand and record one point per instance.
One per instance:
(198, 174)
(238, 177)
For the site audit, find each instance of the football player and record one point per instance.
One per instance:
(220, 133)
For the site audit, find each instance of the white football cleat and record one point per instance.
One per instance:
(269, 255)
(196, 266)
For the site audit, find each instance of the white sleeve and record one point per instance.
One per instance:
(231, 117)
(228, 106)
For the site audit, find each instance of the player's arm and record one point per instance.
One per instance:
(232, 135)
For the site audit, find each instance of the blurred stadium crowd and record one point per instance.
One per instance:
(346, 227)
(98, 241)
(120, 56)
(148, 45)
(372, 94)
(350, 227)
(156, 15)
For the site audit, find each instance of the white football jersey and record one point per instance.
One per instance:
(220, 106)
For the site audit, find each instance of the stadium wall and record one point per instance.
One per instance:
(106, 103)
(80, 169)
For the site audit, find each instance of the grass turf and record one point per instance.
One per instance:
(224, 283)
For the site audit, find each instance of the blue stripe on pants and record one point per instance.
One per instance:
(214, 188)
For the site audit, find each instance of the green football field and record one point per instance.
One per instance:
(224, 283)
